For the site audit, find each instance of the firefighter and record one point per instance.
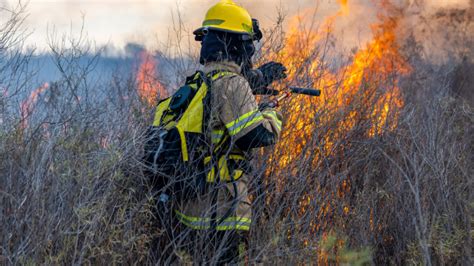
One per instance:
(224, 215)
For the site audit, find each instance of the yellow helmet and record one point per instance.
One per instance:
(227, 16)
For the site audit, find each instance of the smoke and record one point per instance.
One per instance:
(147, 22)
(434, 5)
(132, 49)
(444, 29)
(152, 23)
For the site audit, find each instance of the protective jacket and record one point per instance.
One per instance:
(236, 126)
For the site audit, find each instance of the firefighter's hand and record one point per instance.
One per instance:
(260, 78)
(272, 71)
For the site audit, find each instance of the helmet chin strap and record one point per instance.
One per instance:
(247, 64)
(258, 35)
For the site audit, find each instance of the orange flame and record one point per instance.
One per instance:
(364, 90)
(376, 66)
(149, 88)
(344, 6)
(28, 105)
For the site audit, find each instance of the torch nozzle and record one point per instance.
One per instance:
(310, 92)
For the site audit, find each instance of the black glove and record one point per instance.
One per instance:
(271, 72)
(263, 76)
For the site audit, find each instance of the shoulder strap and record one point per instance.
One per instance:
(198, 77)
(208, 79)
(217, 74)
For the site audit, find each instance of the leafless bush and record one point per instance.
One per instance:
(406, 193)
(72, 187)
(15, 73)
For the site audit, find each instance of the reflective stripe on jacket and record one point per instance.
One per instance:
(198, 223)
(234, 113)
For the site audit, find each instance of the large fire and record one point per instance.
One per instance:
(149, 87)
(365, 89)
(371, 76)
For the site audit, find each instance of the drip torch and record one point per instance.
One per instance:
(287, 93)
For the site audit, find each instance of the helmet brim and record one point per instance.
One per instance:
(202, 31)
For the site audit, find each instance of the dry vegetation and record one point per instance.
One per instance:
(72, 188)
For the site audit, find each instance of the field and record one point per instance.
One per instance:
(378, 170)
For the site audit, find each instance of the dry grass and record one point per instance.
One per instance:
(72, 188)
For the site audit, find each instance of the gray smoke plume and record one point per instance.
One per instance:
(445, 29)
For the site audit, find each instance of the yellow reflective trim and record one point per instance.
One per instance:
(198, 223)
(216, 136)
(223, 167)
(242, 117)
(193, 222)
(206, 219)
(243, 122)
(236, 157)
(224, 172)
(211, 176)
(191, 218)
(238, 174)
(221, 74)
(233, 226)
(221, 143)
(247, 124)
(239, 219)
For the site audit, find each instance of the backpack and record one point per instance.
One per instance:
(176, 143)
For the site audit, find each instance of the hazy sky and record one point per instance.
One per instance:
(147, 21)
(144, 21)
